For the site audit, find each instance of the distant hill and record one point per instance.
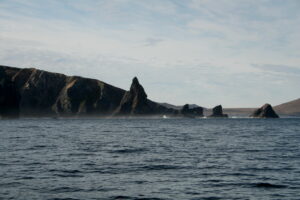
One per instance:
(167, 105)
(239, 112)
(289, 108)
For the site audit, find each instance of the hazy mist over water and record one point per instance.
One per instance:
(150, 159)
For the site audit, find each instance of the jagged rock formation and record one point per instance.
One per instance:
(134, 101)
(191, 112)
(266, 111)
(218, 112)
(32, 92)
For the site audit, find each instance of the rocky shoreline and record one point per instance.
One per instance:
(29, 92)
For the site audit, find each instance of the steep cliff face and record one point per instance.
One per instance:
(266, 111)
(32, 92)
(9, 96)
(38, 91)
(82, 96)
(134, 101)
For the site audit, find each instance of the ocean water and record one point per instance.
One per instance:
(191, 159)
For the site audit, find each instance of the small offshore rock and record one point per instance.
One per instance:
(218, 112)
(191, 112)
(266, 111)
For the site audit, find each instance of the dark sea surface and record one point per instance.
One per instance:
(192, 159)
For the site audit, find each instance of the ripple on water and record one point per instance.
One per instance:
(128, 150)
(66, 173)
(64, 199)
(207, 198)
(163, 167)
(134, 198)
(10, 184)
(65, 189)
(160, 159)
(28, 127)
(268, 185)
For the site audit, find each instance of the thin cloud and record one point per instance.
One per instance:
(152, 41)
(197, 50)
(281, 69)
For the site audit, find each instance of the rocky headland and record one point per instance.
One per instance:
(266, 111)
(30, 92)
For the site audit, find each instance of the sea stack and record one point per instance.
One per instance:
(191, 112)
(266, 111)
(134, 101)
(218, 112)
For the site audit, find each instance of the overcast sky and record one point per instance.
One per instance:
(238, 53)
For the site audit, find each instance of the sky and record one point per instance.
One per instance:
(238, 53)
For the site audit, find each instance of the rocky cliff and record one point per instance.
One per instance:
(189, 111)
(135, 102)
(218, 112)
(32, 92)
(266, 111)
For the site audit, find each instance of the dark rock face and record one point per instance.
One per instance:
(191, 112)
(32, 92)
(38, 91)
(82, 96)
(218, 112)
(134, 102)
(266, 111)
(9, 97)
